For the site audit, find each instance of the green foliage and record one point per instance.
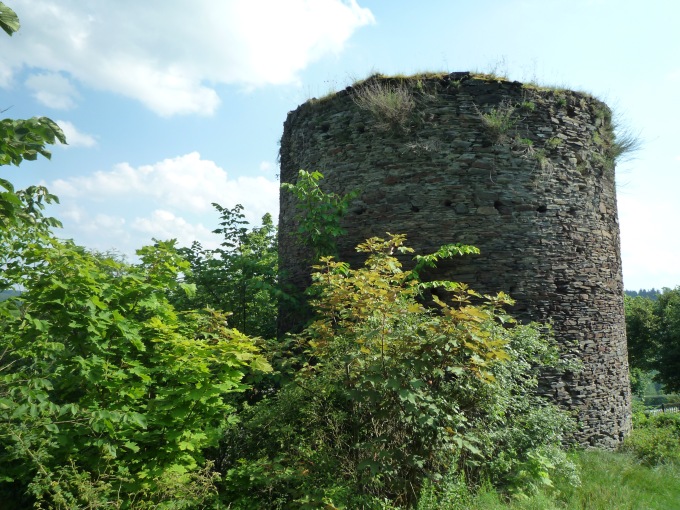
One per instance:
(616, 480)
(653, 331)
(390, 393)
(655, 439)
(240, 277)
(24, 208)
(528, 106)
(106, 392)
(451, 491)
(651, 293)
(319, 213)
(610, 480)
(24, 140)
(9, 21)
(108, 396)
(640, 382)
(521, 433)
(499, 121)
(554, 142)
(668, 312)
(617, 142)
(641, 330)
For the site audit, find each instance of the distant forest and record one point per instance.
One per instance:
(651, 293)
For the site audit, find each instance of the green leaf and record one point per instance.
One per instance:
(138, 419)
(188, 288)
(131, 446)
(371, 465)
(9, 21)
(9, 187)
(407, 395)
(20, 411)
(97, 302)
(51, 427)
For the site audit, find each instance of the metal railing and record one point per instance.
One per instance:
(664, 409)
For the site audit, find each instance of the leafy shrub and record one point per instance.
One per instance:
(451, 491)
(318, 213)
(655, 439)
(390, 393)
(106, 392)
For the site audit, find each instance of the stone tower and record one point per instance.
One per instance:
(524, 173)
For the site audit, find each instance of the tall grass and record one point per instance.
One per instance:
(610, 481)
(390, 104)
(621, 481)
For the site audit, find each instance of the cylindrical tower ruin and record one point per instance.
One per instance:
(524, 173)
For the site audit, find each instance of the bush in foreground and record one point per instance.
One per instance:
(655, 439)
(108, 396)
(390, 394)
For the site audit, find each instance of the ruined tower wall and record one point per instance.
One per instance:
(535, 194)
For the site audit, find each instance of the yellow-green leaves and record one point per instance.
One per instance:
(402, 366)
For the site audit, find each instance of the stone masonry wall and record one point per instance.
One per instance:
(536, 196)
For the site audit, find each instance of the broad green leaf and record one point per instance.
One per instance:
(51, 427)
(131, 446)
(97, 302)
(9, 21)
(138, 419)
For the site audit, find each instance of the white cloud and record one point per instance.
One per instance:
(97, 230)
(171, 55)
(164, 225)
(168, 199)
(186, 183)
(75, 138)
(53, 90)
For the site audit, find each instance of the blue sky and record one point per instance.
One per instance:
(170, 105)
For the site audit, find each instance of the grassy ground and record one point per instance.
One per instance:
(610, 481)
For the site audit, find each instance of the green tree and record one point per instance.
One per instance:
(653, 331)
(641, 332)
(668, 365)
(109, 397)
(642, 326)
(318, 220)
(107, 394)
(239, 277)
